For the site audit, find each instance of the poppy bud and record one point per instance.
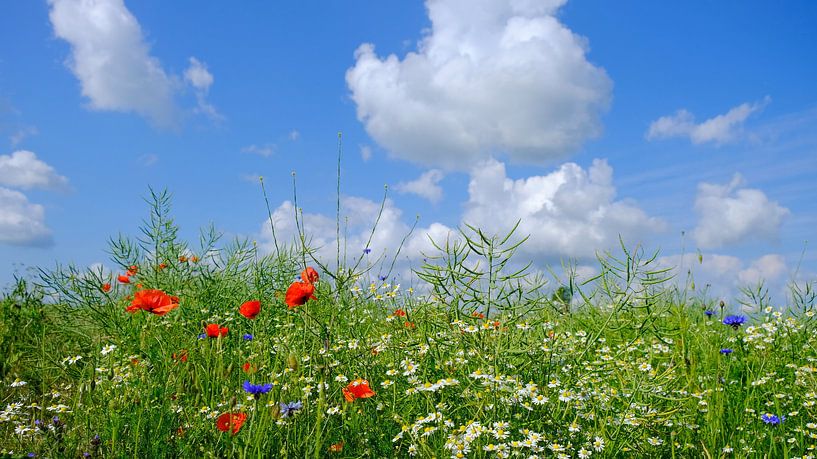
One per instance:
(292, 362)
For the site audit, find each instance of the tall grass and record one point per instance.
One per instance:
(487, 360)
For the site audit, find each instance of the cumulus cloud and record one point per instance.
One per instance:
(719, 130)
(21, 222)
(426, 186)
(110, 58)
(23, 170)
(198, 75)
(731, 213)
(722, 275)
(361, 215)
(571, 212)
(489, 77)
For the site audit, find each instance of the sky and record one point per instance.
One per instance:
(688, 128)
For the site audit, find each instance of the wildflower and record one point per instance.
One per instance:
(106, 287)
(288, 409)
(247, 337)
(18, 383)
(256, 389)
(399, 313)
(108, 349)
(215, 331)
(309, 275)
(734, 321)
(772, 419)
(367, 251)
(123, 279)
(248, 367)
(153, 301)
(194, 259)
(182, 259)
(202, 335)
(299, 293)
(231, 422)
(726, 351)
(181, 356)
(337, 447)
(132, 270)
(709, 313)
(250, 309)
(162, 266)
(358, 388)
(409, 325)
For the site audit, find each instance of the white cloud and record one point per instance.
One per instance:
(198, 75)
(730, 214)
(490, 76)
(719, 130)
(722, 275)
(201, 79)
(365, 152)
(23, 170)
(262, 150)
(570, 212)
(426, 186)
(20, 134)
(21, 222)
(294, 135)
(110, 58)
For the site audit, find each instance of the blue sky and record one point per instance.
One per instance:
(586, 121)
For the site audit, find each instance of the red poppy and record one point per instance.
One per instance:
(359, 388)
(162, 266)
(299, 293)
(182, 356)
(250, 309)
(336, 447)
(478, 315)
(399, 313)
(248, 368)
(182, 259)
(153, 301)
(231, 422)
(106, 287)
(309, 275)
(194, 259)
(409, 325)
(214, 330)
(125, 279)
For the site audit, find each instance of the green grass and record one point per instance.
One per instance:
(627, 365)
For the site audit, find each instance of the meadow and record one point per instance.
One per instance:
(218, 350)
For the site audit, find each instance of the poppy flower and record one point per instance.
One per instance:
(214, 330)
(231, 422)
(299, 293)
(153, 301)
(336, 448)
(309, 275)
(359, 388)
(250, 309)
(106, 287)
(182, 259)
(248, 368)
(409, 325)
(124, 279)
(194, 259)
(181, 356)
(399, 313)
(162, 266)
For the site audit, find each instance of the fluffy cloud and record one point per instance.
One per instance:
(110, 58)
(570, 212)
(730, 214)
(719, 130)
(490, 76)
(426, 186)
(21, 222)
(722, 275)
(112, 61)
(23, 170)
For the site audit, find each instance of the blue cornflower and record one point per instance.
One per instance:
(290, 408)
(257, 389)
(772, 419)
(202, 335)
(367, 250)
(247, 337)
(726, 351)
(382, 278)
(709, 313)
(734, 321)
(32, 455)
